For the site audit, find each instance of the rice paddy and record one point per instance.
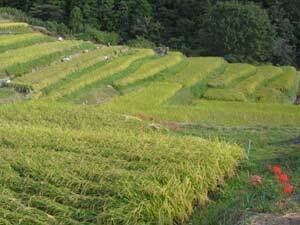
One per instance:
(31, 53)
(105, 134)
(47, 76)
(10, 42)
(151, 68)
(12, 27)
(110, 168)
(108, 69)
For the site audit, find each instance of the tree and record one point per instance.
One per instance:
(140, 18)
(241, 30)
(107, 15)
(47, 11)
(76, 20)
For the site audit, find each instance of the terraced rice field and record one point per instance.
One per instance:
(283, 89)
(129, 159)
(109, 69)
(47, 76)
(263, 75)
(23, 60)
(10, 42)
(33, 52)
(12, 27)
(254, 84)
(151, 68)
(200, 111)
(198, 70)
(233, 72)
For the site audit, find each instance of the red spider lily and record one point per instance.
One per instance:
(276, 170)
(174, 127)
(256, 180)
(288, 189)
(283, 178)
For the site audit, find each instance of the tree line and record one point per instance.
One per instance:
(244, 30)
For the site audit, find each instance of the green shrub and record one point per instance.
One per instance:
(141, 42)
(19, 16)
(100, 37)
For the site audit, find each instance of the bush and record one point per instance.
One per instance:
(100, 37)
(141, 42)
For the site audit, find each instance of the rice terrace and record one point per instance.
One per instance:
(119, 134)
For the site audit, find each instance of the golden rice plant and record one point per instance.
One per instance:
(102, 173)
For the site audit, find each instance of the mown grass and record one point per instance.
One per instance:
(11, 42)
(151, 68)
(101, 169)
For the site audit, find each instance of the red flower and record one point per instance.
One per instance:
(283, 178)
(288, 189)
(174, 127)
(256, 180)
(276, 170)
